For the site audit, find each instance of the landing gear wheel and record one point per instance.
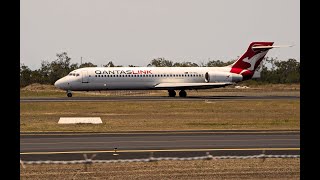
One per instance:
(172, 93)
(183, 93)
(69, 94)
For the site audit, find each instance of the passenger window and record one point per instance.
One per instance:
(78, 74)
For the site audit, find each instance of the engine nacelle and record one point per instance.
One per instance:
(222, 77)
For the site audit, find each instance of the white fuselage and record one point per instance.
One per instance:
(133, 78)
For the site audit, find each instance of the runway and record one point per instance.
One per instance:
(68, 146)
(157, 98)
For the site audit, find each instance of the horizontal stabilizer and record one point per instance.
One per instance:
(270, 47)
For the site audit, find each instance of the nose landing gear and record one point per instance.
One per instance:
(69, 94)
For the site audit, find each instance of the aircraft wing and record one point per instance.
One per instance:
(192, 85)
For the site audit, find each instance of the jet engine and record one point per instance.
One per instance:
(222, 77)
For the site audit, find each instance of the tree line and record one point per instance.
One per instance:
(272, 69)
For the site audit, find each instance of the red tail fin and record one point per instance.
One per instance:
(250, 60)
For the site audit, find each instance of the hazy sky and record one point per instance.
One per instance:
(136, 31)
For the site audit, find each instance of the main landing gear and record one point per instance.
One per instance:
(172, 93)
(182, 93)
(69, 94)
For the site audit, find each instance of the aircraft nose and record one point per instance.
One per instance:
(58, 83)
(61, 84)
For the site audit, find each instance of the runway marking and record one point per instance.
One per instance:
(162, 150)
(152, 132)
(99, 142)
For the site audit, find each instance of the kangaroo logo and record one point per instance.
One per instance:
(253, 60)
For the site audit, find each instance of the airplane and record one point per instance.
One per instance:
(171, 79)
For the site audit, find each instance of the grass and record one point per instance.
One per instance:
(162, 115)
(197, 169)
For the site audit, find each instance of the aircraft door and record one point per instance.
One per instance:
(85, 77)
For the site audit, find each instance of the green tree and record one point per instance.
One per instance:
(185, 64)
(161, 62)
(218, 63)
(276, 71)
(109, 64)
(87, 64)
(25, 75)
(60, 67)
(288, 71)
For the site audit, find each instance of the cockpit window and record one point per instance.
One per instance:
(73, 74)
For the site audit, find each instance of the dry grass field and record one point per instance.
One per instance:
(278, 169)
(162, 115)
